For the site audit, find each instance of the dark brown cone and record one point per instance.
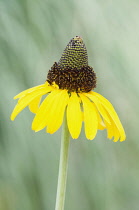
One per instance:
(73, 79)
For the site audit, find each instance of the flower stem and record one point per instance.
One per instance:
(63, 166)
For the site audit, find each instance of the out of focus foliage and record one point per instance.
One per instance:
(102, 175)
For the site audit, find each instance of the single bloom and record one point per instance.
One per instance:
(68, 89)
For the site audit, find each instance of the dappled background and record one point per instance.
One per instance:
(102, 175)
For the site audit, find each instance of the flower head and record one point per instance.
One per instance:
(69, 88)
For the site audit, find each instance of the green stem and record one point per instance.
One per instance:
(63, 166)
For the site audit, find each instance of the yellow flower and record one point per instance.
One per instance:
(69, 91)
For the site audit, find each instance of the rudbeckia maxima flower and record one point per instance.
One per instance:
(68, 90)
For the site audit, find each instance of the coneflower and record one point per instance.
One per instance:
(70, 87)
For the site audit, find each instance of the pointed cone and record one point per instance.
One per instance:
(74, 55)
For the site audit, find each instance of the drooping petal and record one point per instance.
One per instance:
(98, 105)
(56, 113)
(110, 109)
(101, 124)
(99, 110)
(41, 119)
(34, 104)
(112, 130)
(27, 99)
(74, 116)
(117, 135)
(90, 118)
(23, 93)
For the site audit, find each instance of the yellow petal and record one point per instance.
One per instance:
(27, 99)
(108, 106)
(116, 134)
(110, 130)
(23, 93)
(101, 124)
(100, 108)
(41, 119)
(56, 113)
(90, 118)
(74, 116)
(34, 104)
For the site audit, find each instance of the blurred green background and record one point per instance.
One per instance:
(102, 175)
